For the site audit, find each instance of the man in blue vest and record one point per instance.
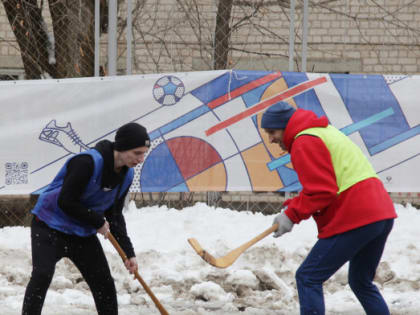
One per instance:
(85, 198)
(341, 191)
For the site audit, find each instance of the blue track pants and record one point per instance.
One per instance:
(362, 248)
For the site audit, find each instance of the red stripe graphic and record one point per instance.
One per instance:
(296, 90)
(243, 89)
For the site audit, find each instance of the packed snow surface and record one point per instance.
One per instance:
(261, 281)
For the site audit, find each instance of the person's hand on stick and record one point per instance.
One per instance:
(131, 265)
(104, 229)
(285, 224)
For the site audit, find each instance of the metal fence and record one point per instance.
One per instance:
(15, 210)
(263, 202)
(63, 39)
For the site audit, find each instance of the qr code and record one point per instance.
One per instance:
(16, 173)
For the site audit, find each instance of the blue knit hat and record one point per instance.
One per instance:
(277, 116)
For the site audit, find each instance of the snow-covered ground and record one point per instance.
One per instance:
(261, 281)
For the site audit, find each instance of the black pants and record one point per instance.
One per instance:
(48, 247)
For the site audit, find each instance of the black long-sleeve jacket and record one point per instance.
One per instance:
(79, 171)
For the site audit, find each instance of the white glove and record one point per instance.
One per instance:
(285, 224)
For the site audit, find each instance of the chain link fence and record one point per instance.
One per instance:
(264, 202)
(59, 39)
(15, 210)
(56, 39)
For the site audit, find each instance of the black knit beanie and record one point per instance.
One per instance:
(130, 136)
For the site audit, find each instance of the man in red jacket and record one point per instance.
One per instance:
(347, 200)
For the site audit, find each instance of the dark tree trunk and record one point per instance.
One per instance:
(28, 26)
(74, 37)
(222, 34)
(74, 34)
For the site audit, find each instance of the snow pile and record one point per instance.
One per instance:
(261, 281)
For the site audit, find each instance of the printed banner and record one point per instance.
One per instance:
(205, 126)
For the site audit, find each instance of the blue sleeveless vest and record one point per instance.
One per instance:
(94, 198)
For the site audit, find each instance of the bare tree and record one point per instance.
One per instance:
(222, 34)
(29, 28)
(66, 52)
(74, 36)
(189, 35)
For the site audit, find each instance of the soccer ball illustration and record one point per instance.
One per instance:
(168, 90)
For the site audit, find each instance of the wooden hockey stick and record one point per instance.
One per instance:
(136, 274)
(229, 258)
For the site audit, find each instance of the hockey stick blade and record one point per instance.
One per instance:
(229, 258)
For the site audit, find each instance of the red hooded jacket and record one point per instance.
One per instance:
(363, 203)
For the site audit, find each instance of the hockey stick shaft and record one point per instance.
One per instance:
(124, 257)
